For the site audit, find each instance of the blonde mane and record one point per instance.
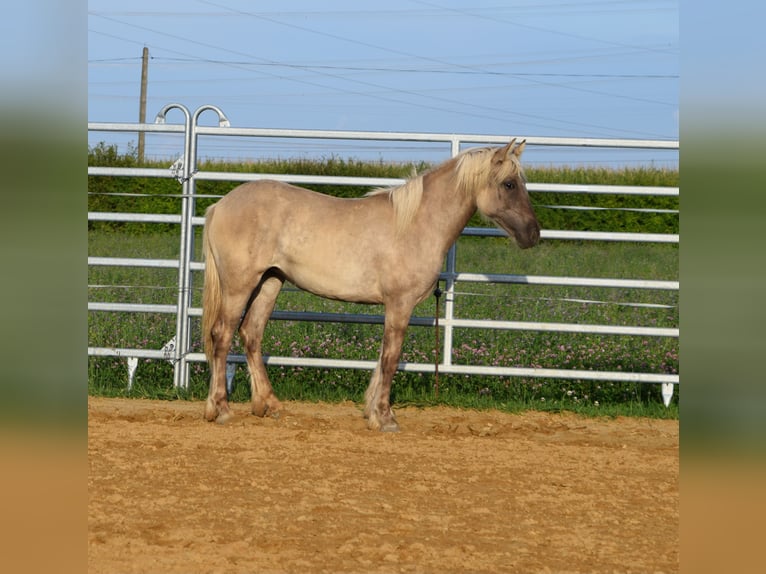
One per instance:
(472, 169)
(405, 198)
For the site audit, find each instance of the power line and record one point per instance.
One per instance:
(260, 16)
(495, 19)
(475, 72)
(113, 60)
(435, 67)
(433, 10)
(493, 110)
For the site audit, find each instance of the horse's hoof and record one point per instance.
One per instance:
(387, 424)
(210, 412)
(390, 426)
(259, 407)
(262, 407)
(223, 418)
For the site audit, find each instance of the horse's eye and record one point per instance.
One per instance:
(510, 184)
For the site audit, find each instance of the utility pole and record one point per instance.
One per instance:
(142, 108)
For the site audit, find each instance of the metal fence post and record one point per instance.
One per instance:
(180, 375)
(187, 247)
(449, 289)
(189, 167)
(449, 303)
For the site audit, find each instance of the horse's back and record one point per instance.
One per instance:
(257, 194)
(273, 192)
(258, 207)
(284, 206)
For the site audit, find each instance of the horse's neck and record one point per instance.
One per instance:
(446, 208)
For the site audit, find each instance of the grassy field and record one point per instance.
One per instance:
(108, 376)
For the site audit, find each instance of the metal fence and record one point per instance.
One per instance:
(178, 350)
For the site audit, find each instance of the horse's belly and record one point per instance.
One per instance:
(344, 279)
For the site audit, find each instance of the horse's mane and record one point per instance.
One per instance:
(405, 198)
(471, 170)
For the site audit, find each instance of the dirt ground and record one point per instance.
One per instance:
(315, 491)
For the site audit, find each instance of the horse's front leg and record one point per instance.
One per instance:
(378, 396)
(373, 389)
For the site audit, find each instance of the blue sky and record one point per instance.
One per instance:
(527, 67)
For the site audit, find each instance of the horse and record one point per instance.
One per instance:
(386, 247)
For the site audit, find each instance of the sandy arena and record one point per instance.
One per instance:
(315, 491)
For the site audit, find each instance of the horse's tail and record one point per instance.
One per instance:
(211, 295)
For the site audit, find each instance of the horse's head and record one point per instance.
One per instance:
(504, 199)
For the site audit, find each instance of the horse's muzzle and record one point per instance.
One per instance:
(524, 237)
(530, 237)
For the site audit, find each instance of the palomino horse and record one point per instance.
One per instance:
(385, 248)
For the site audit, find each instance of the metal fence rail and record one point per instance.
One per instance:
(186, 172)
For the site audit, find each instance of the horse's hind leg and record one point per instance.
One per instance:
(251, 331)
(222, 333)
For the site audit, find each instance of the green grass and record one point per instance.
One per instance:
(108, 376)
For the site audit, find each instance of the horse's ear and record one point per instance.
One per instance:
(502, 153)
(519, 148)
